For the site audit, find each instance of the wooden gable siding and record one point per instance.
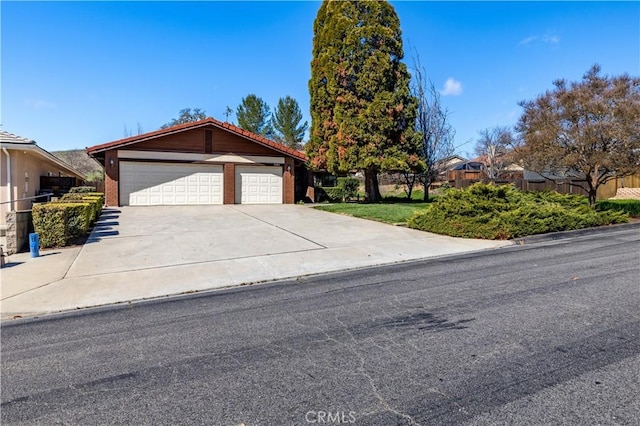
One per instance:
(188, 141)
(224, 142)
(194, 141)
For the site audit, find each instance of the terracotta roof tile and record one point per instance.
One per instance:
(11, 138)
(207, 121)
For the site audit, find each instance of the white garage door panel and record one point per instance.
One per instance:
(258, 185)
(148, 184)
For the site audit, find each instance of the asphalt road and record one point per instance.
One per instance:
(547, 333)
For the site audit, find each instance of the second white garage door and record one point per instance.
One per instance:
(258, 185)
(151, 184)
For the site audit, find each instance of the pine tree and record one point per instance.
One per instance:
(286, 122)
(254, 115)
(362, 110)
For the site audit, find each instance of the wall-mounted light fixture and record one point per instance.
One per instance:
(111, 162)
(288, 169)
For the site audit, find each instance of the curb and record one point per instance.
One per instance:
(552, 236)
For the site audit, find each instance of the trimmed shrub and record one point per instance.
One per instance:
(332, 194)
(96, 199)
(50, 223)
(346, 189)
(58, 223)
(502, 212)
(79, 218)
(79, 196)
(82, 189)
(349, 187)
(632, 207)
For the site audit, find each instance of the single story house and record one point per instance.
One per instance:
(24, 166)
(202, 162)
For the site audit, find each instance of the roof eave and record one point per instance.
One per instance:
(43, 153)
(92, 151)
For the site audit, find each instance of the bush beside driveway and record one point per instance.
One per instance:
(492, 212)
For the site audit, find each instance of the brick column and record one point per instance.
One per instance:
(288, 181)
(111, 176)
(229, 182)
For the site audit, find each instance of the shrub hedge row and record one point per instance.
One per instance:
(345, 189)
(82, 189)
(502, 212)
(59, 223)
(632, 207)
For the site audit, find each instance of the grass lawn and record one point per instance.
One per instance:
(395, 213)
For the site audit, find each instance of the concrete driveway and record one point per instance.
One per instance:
(144, 252)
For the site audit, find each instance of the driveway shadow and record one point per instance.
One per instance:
(104, 226)
(11, 264)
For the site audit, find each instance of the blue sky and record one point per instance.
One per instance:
(74, 74)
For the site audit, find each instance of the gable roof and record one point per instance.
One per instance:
(209, 121)
(11, 141)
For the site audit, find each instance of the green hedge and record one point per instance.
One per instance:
(349, 187)
(95, 198)
(50, 223)
(502, 212)
(332, 194)
(73, 196)
(79, 219)
(57, 224)
(632, 207)
(346, 189)
(82, 189)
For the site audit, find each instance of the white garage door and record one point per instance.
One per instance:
(152, 184)
(258, 185)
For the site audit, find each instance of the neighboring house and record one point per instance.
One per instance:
(23, 166)
(476, 170)
(446, 164)
(450, 162)
(203, 162)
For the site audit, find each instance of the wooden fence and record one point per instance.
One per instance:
(465, 178)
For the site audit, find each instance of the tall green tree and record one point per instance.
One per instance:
(286, 122)
(362, 111)
(254, 115)
(587, 130)
(186, 115)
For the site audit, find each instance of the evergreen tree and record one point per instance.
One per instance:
(286, 122)
(254, 115)
(362, 110)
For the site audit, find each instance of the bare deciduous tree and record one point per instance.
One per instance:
(432, 125)
(587, 130)
(186, 115)
(129, 132)
(494, 145)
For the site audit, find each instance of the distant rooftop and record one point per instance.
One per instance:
(7, 137)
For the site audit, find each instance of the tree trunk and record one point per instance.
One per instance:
(427, 184)
(593, 185)
(409, 181)
(371, 188)
(593, 192)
